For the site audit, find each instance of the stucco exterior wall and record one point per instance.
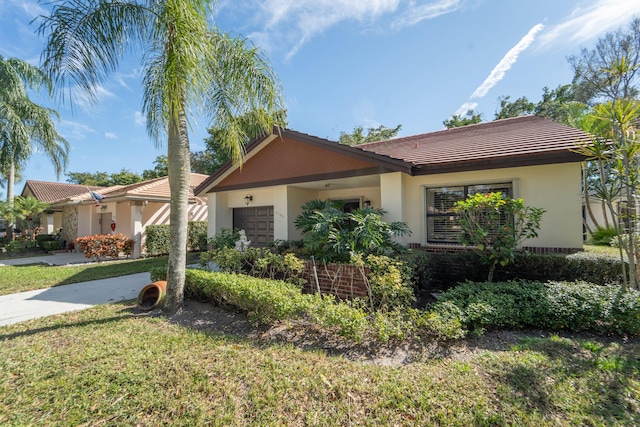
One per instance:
(555, 188)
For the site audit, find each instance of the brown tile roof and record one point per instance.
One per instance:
(519, 141)
(52, 191)
(153, 189)
(516, 141)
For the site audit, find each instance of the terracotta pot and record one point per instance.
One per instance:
(152, 296)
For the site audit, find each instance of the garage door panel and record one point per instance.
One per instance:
(257, 222)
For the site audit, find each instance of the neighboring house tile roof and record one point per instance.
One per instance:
(52, 191)
(516, 141)
(154, 189)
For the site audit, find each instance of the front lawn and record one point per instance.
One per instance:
(108, 366)
(30, 277)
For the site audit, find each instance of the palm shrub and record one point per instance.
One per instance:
(330, 234)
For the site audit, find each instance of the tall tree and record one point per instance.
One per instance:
(187, 65)
(160, 169)
(380, 133)
(520, 107)
(456, 121)
(24, 125)
(103, 179)
(593, 80)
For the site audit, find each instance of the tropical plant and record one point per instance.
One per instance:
(332, 234)
(496, 225)
(187, 65)
(25, 125)
(30, 209)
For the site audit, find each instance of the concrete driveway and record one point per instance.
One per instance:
(61, 299)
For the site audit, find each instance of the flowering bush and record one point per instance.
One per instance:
(105, 245)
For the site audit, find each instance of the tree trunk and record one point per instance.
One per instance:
(587, 200)
(11, 223)
(179, 172)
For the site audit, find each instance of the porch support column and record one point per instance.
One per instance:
(392, 198)
(48, 227)
(219, 214)
(136, 228)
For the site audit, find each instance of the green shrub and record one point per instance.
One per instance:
(269, 300)
(158, 239)
(51, 245)
(197, 236)
(573, 306)
(41, 238)
(257, 262)
(389, 282)
(602, 236)
(444, 270)
(226, 238)
(17, 246)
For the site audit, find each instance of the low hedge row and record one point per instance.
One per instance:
(440, 271)
(267, 300)
(570, 306)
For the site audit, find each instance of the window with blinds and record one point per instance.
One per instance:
(441, 220)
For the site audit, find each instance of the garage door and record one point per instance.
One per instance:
(256, 222)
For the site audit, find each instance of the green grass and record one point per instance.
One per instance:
(107, 366)
(26, 278)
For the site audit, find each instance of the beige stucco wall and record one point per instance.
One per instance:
(286, 201)
(555, 188)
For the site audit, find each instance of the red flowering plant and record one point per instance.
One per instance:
(496, 225)
(105, 245)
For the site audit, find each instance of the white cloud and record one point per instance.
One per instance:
(465, 107)
(506, 62)
(295, 22)
(591, 21)
(139, 118)
(74, 130)
(110, 135)
(420, 12)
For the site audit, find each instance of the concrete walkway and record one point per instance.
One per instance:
(61, 299)
(28, 305)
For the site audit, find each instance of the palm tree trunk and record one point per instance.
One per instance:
(10, 198)
(179, 172)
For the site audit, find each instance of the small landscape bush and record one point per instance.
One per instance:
(158, 238)
(602, 236)
(257, 262)
(105, 245)
(572, 306)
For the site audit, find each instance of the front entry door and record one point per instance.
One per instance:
(105, 223)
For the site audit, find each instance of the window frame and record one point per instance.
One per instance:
(433, 213)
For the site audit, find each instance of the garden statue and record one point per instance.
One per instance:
(242, 244)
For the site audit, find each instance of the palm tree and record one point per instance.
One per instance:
(24, 125)
(187, 65)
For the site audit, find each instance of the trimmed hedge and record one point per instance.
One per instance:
(571, 306)
(441, 271)
(158, 238)
(267, 300)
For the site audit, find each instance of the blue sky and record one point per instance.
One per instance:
(344, 63)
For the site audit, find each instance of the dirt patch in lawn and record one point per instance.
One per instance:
(308, 336)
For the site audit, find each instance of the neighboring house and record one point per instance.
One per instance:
(50, 192)
(125, 209)
(416, 179)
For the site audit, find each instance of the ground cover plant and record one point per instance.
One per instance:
(30, 277)
(111, 365)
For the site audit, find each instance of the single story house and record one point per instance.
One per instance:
(125, 209)
(50, 192)
(416, 179)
